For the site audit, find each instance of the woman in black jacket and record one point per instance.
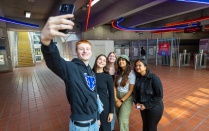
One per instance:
(148, 95)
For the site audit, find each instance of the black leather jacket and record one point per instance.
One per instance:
(148, 90)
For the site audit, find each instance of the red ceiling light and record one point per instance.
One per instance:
(168, 31)
(188, 21)
(88, 14)
(115, 26)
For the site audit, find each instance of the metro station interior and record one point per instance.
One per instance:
(174, 34)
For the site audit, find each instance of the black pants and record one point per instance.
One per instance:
(151, 117)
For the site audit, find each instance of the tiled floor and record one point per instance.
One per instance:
(34, 99)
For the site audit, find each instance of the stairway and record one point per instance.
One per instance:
(24, 50)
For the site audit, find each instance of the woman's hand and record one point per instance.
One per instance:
(142, 107)
(99, 123)
(138, 106)
(116, 100)
(110, 117)
(118, 103)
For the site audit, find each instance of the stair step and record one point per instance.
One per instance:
(24, 50)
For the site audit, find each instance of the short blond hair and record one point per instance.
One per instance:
(82, 42)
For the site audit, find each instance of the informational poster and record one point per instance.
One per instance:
(118, 52)
(126, 51)
(151, 51)
(136, 51)
(38, 58)
(203, 45)
(164, 48)
(2, 62)
(37, 51)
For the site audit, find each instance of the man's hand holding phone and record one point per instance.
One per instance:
(66, 9)
(54, 27)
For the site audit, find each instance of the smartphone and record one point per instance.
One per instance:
(138, 107)
(66, 9)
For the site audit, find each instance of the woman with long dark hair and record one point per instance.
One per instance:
(105, 91)
(124, 86)
(148, 95)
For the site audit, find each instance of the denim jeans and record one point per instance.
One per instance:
(93, 127)
(113, 121)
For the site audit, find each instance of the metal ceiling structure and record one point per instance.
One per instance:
(136, 13)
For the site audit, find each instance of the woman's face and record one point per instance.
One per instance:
(101, 62)
(140, 67)
(122, 63)
(112, 58)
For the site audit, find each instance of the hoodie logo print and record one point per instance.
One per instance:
(91, 81)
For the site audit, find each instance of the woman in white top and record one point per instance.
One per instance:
(124, 86)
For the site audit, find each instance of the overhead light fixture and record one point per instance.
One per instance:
(93, 2)
(18, 22)
(196, 1)
(27, 14)
(31, 0)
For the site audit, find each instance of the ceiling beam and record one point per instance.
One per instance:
(121, 8)
(57, 3)
(156, 13)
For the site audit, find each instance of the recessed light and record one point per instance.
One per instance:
(27, 14)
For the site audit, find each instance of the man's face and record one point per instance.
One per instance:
(84, 52)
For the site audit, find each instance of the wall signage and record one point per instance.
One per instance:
(193, 29)
(164, 48)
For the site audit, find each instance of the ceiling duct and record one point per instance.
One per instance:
(1, 13)
(204, 22)
(31, 0)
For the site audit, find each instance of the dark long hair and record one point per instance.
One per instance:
(124, 75)
(145, 64)
(105, 69)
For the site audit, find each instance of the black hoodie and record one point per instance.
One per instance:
(79, 80)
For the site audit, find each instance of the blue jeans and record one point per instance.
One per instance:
(93, 127)
(113, 121)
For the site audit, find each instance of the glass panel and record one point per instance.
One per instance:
(38, 58)
(37, 51)
(2, 62)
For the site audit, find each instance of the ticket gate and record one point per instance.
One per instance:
(184, 59)
(200, 60)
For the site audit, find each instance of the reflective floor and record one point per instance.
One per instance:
(33, 98)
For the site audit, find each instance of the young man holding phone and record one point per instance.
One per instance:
(78, 77)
